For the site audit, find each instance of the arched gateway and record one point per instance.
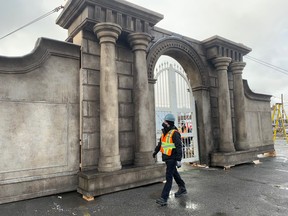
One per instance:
(173, 94)
(96, 132)
(182, 51)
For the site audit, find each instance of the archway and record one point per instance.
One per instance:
(173, 94)
(193, 65)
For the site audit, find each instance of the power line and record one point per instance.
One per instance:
(279, 69)
(265, 63)
(35, 20)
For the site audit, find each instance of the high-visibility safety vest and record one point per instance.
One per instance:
(167, 143)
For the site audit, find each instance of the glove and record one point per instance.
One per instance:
(154, 154)
(178, 164)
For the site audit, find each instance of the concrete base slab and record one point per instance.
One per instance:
(94, 183)
(220, 159)
(31, 187)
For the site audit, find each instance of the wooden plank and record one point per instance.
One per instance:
(88, 198)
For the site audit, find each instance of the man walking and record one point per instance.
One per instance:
(171, 147)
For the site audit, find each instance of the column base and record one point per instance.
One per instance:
(93, 183)
(242, 146)
(144, 159)
(109, 164)
(227, 147)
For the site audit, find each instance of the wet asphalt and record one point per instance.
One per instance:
(250, 189)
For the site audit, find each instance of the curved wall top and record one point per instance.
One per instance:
(254, 96)
(43, 49)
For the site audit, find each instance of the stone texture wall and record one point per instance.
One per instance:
(214, 107)
(258, 120)
(231, 88)
(214, 85)
(124, 65)
(90, 100)
(39, 121)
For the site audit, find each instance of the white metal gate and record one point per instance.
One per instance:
(173, 94)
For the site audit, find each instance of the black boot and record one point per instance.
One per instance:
(180, 192)
(161, 201)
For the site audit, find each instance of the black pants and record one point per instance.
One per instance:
(171, 172)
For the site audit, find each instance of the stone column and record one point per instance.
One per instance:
(226, 136)
(109, 158)
(144, 143)
(239, 106)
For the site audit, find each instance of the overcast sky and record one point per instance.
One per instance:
(259, 24)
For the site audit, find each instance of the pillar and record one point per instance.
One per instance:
(109, 157)
(241, 142)
(226, 137)
(144, 141)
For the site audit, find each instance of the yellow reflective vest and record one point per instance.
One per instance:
(167, 144)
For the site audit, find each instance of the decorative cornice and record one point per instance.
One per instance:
(217, 46)
(131, 17)
(255, 96)
(44, 48)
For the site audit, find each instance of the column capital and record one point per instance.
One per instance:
(107, 32)
(139, 41)
(237, 67)
(221, 63)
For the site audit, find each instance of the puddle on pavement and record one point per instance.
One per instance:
(281, 187)
(185, 202)
(191, 205)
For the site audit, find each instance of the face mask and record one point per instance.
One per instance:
(164, 125)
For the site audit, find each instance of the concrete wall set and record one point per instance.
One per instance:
(80, 114)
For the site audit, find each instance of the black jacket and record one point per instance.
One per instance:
(176, 152)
